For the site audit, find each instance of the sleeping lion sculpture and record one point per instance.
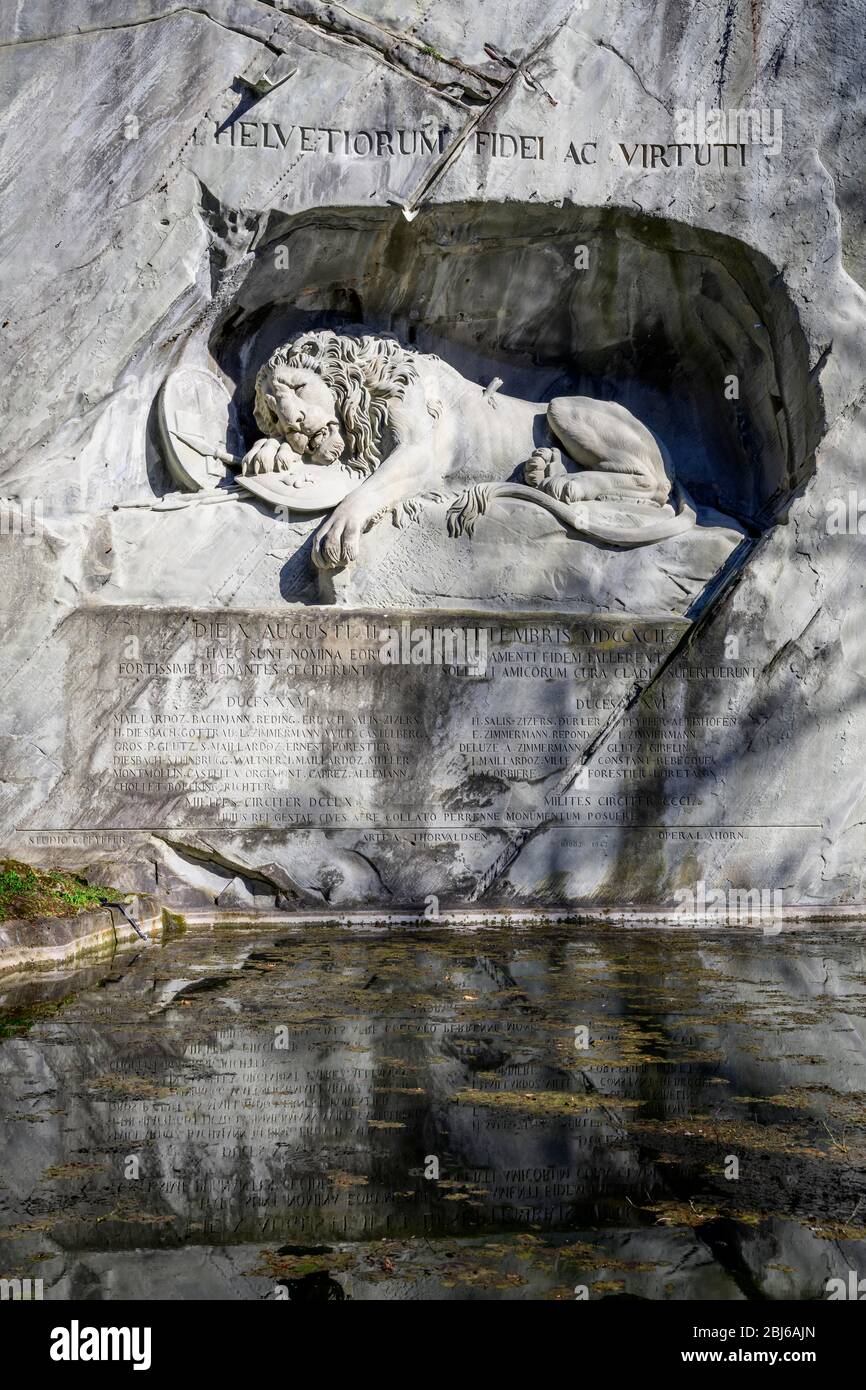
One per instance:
(406, 425)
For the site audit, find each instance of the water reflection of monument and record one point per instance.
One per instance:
(298, 1092)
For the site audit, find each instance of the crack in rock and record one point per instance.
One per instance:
(564, 780)
(448, 77)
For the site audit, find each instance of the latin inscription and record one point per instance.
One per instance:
(488, 145)
(245, 722)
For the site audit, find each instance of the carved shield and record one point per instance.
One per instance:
(195, 409)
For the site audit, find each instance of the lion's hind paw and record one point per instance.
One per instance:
(540, 465)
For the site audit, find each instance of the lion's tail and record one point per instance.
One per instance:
(474, 503)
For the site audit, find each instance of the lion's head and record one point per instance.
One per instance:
(324, 379)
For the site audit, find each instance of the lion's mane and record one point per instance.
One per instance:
(367, 375)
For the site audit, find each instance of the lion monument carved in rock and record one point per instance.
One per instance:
(397, 424)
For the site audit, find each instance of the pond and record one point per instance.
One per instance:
(523, 1113)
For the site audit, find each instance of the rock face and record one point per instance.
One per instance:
(518, 557)
(480, 696)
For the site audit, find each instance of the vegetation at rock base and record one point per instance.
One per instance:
(28, 893)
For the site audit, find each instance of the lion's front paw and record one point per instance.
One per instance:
(540, 465)
(338, 539)
(268, 456)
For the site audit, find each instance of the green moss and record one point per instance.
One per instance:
(172, 922)
(28, 893)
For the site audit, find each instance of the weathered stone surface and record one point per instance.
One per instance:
(53, 943)
(519, 557)
(192, 188)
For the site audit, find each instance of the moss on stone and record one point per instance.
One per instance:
(27, 893)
